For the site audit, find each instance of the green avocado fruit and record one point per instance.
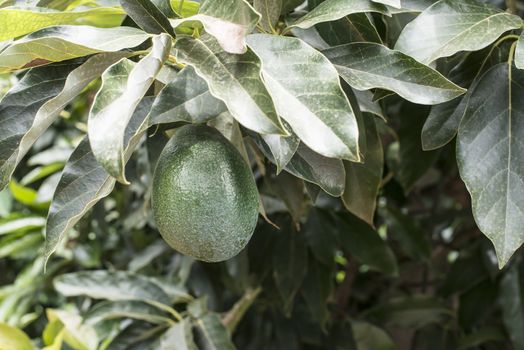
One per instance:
(204, 199)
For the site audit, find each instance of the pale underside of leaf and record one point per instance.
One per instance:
(314, 105)
(450, 26)
(519, 52)
(234, 79)
(60, 43)
(489, 149)
(331, 10)
(367, 65)
(123, 86)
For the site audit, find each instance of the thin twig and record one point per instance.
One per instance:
(233, 317)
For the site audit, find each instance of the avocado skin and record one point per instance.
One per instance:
(204, 198)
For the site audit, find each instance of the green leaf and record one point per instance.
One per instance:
(114, 286)
(21, 21)
(364, 243)
(519, 52)
(62, 43)
(22, 224)
(291, 190)
(450, 26)
(124, 84)
(36, 102)
(442, 123)
(12, 338)
(228, 21)
(234, 79)
(316, 290)
(178, 337)
(12, 247)
(282, 148)
(185, 8)
(369, 337)
(147, 16)
(411, 312)
(413, 239)
(290, 258)
(332, 131)
(412, 162)
(212, 333)
(132, 309)
(77, 335)
(363, 179)
(185, 98)
(512, 303)
(328, 173)
(270, 11)
(84, 182)
(488, 145)
(367, 65)
(331, 10)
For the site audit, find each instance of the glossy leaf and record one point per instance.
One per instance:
(234, 79)
(328, 173)
(148, 16)
(112, 286)
(67, 42)
(333, 131)
(21, 21)
(84, 182)
(185, 98)
(450, 26)
(367, 65)
(331, 10)
(124, 84)
(363, 180)
(213, 334)
(228, 21)
(370, 337)
(46, 91)
(487, 152)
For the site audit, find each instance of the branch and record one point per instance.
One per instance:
(233, 317)
(512, 6)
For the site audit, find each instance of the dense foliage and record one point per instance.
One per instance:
(385, 138)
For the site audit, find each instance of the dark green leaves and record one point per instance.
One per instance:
(368, 65)
(331, 131)
(235, 79)
(450, 26)
(147, 16)
(488, 149)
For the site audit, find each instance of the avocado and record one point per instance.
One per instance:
(204, 198)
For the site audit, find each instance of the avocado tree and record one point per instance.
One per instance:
(266, 174)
